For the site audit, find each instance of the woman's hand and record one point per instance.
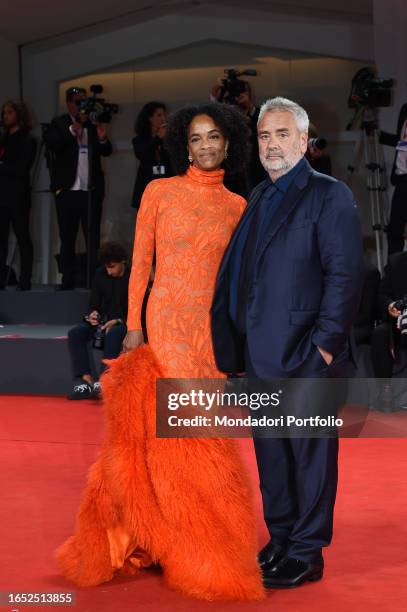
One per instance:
(133, 339)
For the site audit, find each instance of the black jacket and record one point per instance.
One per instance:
(150, 152)
(393, 285)
(109, 295)
(367, 313)
(392, 140)
(64, 147)
(17, 155)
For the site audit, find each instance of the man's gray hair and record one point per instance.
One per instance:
(285, 105)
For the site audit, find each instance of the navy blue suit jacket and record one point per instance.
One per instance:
(305, 289)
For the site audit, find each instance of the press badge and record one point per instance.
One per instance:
(159, 170)
(402, 145)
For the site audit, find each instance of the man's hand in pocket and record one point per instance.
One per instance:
(327, 357)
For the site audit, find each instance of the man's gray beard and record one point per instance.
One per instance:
(286, 166)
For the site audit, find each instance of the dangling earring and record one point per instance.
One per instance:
(226, 153)
(190, 159)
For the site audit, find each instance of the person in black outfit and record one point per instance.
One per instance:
(148, 146)
(17, 155)
(368, 312)
(318, 159)
(77, 146)
(246, 105)
(398, 213)
(108, 303)
(386, 340)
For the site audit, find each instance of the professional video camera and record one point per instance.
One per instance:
(96, 109)
(233, 86)
(367, 90)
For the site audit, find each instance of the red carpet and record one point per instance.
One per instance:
(47, 445)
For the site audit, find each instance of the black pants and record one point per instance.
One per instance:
(19, 218)
(79, 338)
(398, 219)
(382, 358)
(72, 211)
(298, 482)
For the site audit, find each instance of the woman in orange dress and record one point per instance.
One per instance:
(183, 503)
(189, 220)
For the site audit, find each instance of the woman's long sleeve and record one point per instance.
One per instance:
(143, 253)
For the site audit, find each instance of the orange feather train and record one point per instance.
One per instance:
(185, 504)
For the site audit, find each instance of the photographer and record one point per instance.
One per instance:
(148, 146)
(398, 214)
(244, 100)
(106, 321)
(387, 338)
(316, 154)
(17, 154)
(70, 138)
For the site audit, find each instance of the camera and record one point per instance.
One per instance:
(99, 337)
(402, 319)
(233, 86)
(96, 109)
(367, 90)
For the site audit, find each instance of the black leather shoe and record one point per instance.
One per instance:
(290, 573)
(270, 555)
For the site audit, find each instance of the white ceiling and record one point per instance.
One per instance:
(26, 21)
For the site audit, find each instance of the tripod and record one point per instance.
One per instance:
(376, 183)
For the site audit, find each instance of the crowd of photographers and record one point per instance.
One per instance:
(76, 141)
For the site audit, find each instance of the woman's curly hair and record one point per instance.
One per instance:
(231, 123)
(23, 114)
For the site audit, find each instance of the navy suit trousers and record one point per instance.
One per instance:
(298, 482)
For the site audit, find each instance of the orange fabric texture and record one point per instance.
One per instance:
(183, 503)
(186, 503)
(189, 220)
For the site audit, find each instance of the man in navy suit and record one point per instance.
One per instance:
(286, 296)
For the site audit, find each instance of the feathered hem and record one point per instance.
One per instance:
(182, 503)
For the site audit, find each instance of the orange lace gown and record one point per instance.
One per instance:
(189, 220)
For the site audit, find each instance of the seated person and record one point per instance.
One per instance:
(108, 311)
(387, 338)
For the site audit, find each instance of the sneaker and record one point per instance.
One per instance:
(82, 391)
(97, 390)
